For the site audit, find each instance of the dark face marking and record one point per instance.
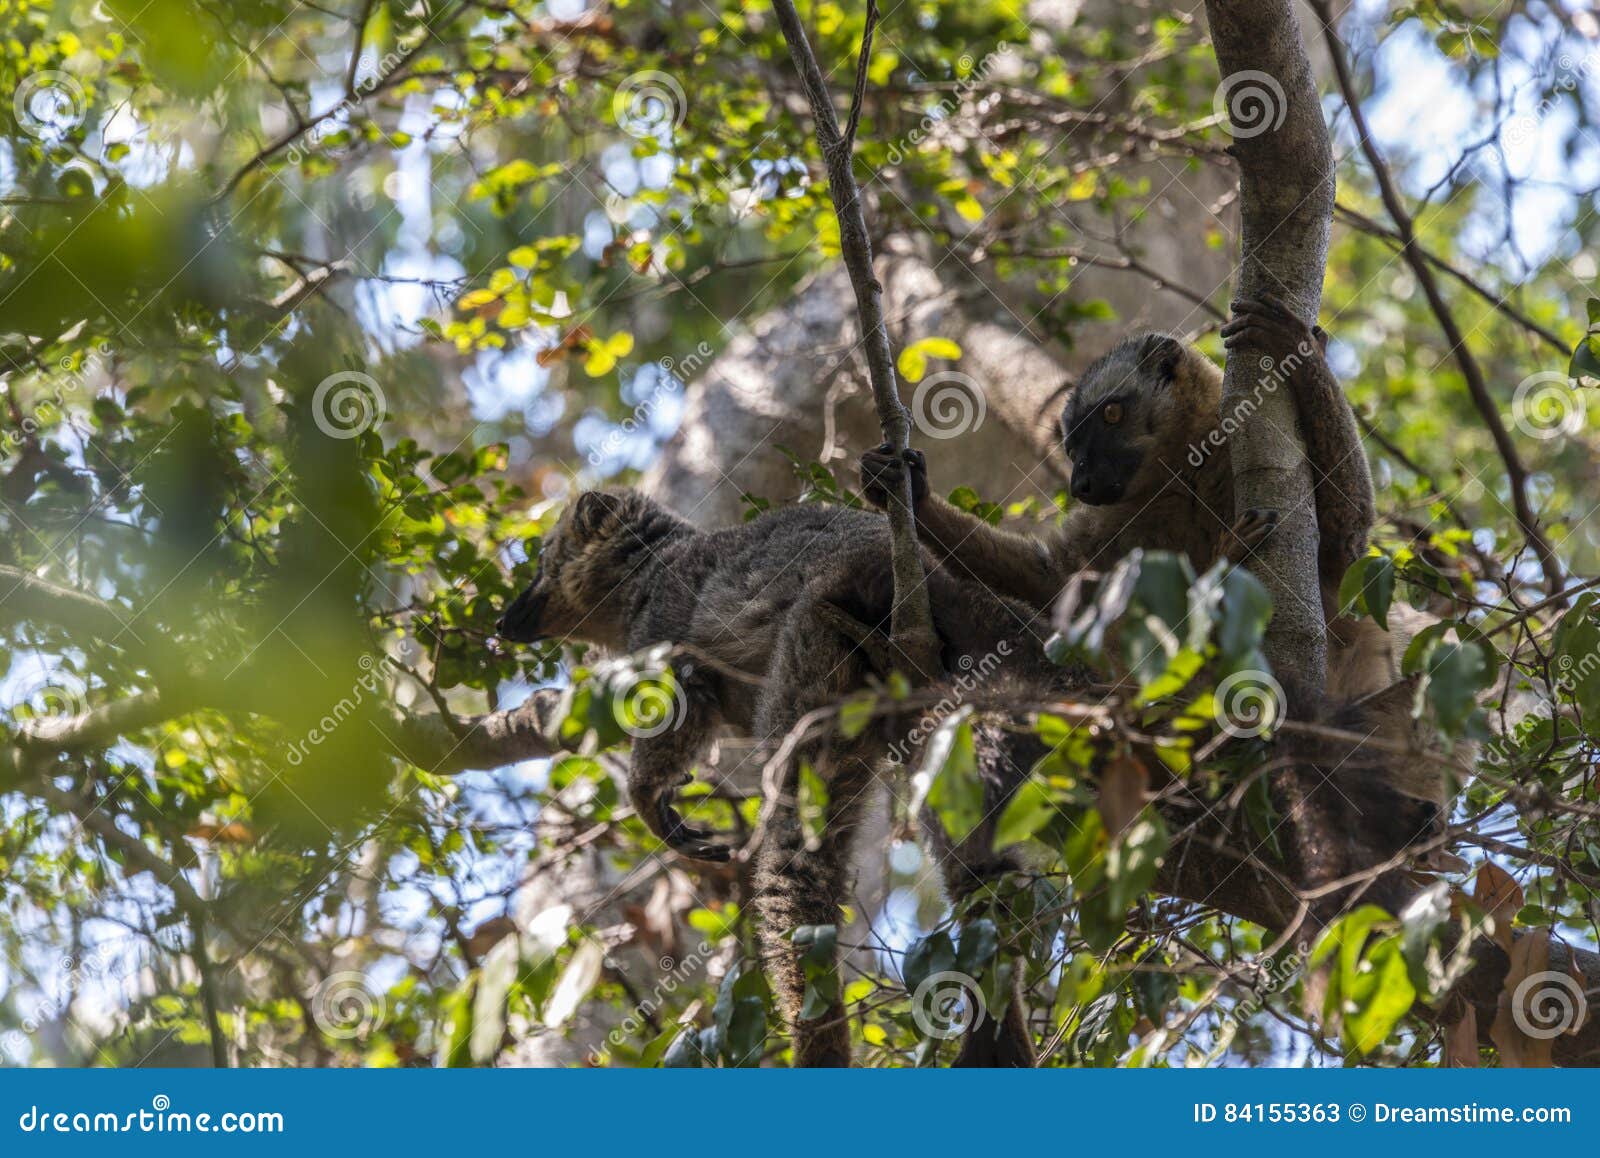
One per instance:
(1111, 418)
(522, 620)
(554, 603)
(1103, 462)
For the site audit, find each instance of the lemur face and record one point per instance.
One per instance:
(1113, 424)
(573, 592)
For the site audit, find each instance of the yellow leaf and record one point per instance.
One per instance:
(1083, 186)
(969, 208)
(912, 364)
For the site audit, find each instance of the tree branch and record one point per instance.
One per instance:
(912, 619)
(25, 595)
(482, 742)
(1286, 184)
(1477, 385)
(1213, 875)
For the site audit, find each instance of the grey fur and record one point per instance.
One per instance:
(768, 599)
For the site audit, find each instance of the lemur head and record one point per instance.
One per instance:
(580, 591)
(1134, 413)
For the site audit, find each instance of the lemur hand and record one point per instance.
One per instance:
(1268, 323)
(883, 474)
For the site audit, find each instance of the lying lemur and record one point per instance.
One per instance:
(782, 598)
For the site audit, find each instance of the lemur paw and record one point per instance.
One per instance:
(654, 806)
(883, 473)
(1268, 322)
(1248, 532)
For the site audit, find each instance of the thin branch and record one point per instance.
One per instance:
(863, 64)
(1471, 371)
(1496, 301)
(912, 618)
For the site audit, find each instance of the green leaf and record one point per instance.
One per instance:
(1454, 676)
(935, 953)
(499, 974)
(1377, 589)
(1378, 996)
(1134, 858)
(855, 714)
(1029, 809)
(950, 774)
(822, 977)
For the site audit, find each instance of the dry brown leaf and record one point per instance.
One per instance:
(489, 934)
(1461, 1041)
(1582, 983)
(1519, 1049)
(1499, 895)
(232, 833)
(1124, 786)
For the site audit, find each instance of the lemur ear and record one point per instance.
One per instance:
(1161, 354)
(594, 511)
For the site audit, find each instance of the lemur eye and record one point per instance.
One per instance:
(1112, 413)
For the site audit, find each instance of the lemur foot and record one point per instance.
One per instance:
(883, 473)
(654, 806)
(1248, 532)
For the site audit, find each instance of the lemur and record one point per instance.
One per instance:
(781, 598)
(1150, 468)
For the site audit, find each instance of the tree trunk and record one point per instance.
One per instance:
(1287, 190)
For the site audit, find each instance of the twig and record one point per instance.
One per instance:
(912, 618)
(1477, 386)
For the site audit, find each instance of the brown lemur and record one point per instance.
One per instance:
(782, 598)
(1150, 468)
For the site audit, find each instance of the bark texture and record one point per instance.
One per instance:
(1287, 194)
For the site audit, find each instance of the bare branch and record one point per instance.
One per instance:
(1477, 385)
(1286, 185)
(912, 621)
